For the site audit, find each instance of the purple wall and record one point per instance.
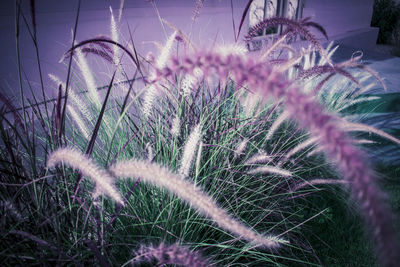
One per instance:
(339, 16)
(346, 21)
(55, 20)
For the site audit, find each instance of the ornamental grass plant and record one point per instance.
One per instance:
(194, 157)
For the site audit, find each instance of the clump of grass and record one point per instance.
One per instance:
(310, 115)
(217, 146)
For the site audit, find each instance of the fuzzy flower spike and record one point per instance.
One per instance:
(293, 26)
(310, 115)
(104, 182)
(170, 254)
(163, 178)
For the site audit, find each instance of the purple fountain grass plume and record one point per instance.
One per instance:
(354, 64)
(98, 52)
(150, 153)
(88, 77)
(241, 147)
(281, 118)
(271, 170)
(72, 111)
(103, 45)
(318, 182)
(150, 58)
(310, 115)
(165, 179)
(104, 50)
(359, 100)
(75, 99)
(319, 70)
(353, 126)
(166, 51)
(259, 158)
(189, 150)
(176, 126)
(277, 61)
(305, 22)
(169, 254)
(301, 146)
(104, 182)
(292, 26)
(187, 84)
(81, 124)
(250, 102)
(149, 98)
(114, 36)
(315, 151)
(197, 8)
(151, 92)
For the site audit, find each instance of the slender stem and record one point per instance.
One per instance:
(41, 77)
(69, 72)
(233, 24)
(17, 28)
(89, 149)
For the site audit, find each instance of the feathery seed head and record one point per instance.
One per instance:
(166, 51)
(149, 99)
(196, 12)
(88, 77)
(104, 182)
(176, 126)
(170, 254)
(187, 84)
(270, 169)
(79, 122)
(282, 117)
(258, 158)
(241, 147)
(114, 36)
(163, 178)
(190, 150)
